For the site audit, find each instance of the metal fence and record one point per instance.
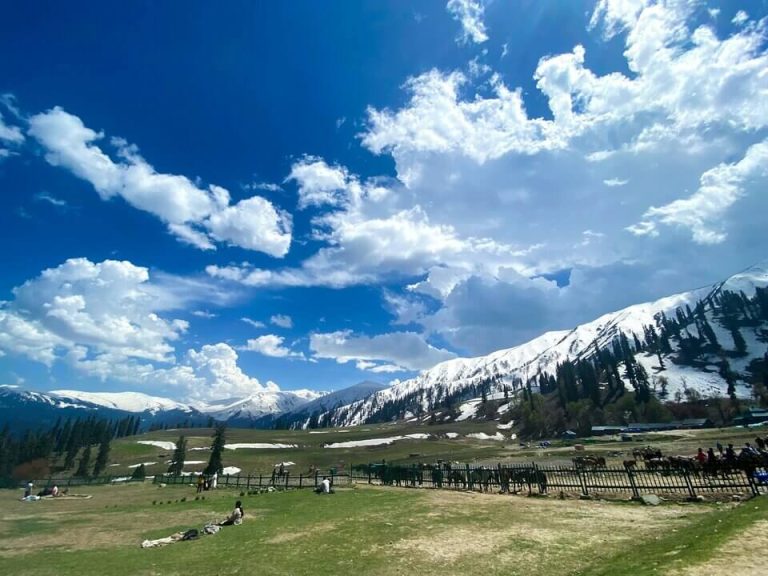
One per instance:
(535, 479)
(253, 482)
(514, 478)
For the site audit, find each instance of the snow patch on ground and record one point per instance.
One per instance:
(196, 449)
(452, 434)
(506, 426)
(191, 462)
(231, 470)
(468, 410)
(318, 431)
(258, 445)
(377, 441)
(484, 436)
(285, 464)
(159, 444)
(142, 464)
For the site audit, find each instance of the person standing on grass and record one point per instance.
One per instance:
(200, 483)
(214, 480)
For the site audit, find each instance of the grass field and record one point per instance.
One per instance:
(376, 531)
(310, 451)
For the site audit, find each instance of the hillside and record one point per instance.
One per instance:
(507, 371)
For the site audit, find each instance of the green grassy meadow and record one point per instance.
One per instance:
(363, 530)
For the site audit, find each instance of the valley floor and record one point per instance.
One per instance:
(376, 531)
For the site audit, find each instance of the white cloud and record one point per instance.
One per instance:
(107, 321)
(407, 350)
(254, 323)
(204, 314)
(219, 376)
(11, 134)
(253, 224)
(106, 309)
(46, 197)
(470, 14)
(282, 320)
(190, 212)
(702, 212)
(271, 345)
(268, 186)
(740, 18)
(406, 309)
(318, 183)
(614, 182)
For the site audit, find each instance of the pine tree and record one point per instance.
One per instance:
(85, 460)
(217, 448)
(738, 341)
(139, 473)
(103, 456)
(179, 455)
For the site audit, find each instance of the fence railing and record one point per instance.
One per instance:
(530, 478)
(536, 479)
(252, 482)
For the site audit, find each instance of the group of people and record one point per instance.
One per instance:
(47, 491)
(728, 455)
(207, 482)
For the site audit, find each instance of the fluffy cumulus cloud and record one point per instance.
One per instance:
(469, 13)
(219, 376)
(271, 345)
(195, 215)
(104, 309)
(319, 184)
(719, 189)
(109, 320)
(405, 350)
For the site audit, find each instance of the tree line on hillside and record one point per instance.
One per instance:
(30, 455)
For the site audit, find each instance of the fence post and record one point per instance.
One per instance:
(286, 478)
(469, 478)
(583, 482)
(631, 476)
(752, 484)
(316, 473)
(369, 472)
(300, 480)
(538, 475)
(259, 479)
(689, 484)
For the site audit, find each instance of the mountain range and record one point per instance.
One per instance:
(504, 371)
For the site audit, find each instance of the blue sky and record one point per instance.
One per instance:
(202, 202)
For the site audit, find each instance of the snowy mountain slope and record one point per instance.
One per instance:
(341, 397)
(258, 404)
(23, 409)
(511, 367)
(126, 401)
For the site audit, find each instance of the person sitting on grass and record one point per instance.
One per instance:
(325, 487)
(236, 518)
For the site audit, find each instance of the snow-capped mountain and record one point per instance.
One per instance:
(125, 401)
(258, 404)
(513, 366)
(341, 397)
(24, 409)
